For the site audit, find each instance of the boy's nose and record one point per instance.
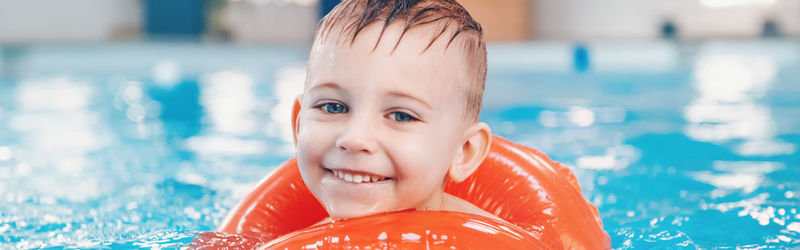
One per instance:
(358, 137)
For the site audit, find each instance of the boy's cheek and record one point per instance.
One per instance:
(306, 129)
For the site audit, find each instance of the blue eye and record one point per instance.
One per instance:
(334, 108)
(402, 117)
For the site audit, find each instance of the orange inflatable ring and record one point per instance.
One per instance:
(539, 197)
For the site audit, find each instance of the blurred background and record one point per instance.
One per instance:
(139, 123)
(293, 21)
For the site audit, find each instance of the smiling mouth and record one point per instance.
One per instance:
(352, 177)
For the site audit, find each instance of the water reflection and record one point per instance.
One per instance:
(615, 157)
(725, 109)
(177, 107)
(744, 176)
(166, 73)
(5, 153)
(141, 111)
(226, 145)
(288, 85)
(574, 116)
(585, 131)
(229, 101)
(230, 104)
(57, 132)
(581, 116)
(232, 109)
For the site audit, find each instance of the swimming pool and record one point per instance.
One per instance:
(679, 145)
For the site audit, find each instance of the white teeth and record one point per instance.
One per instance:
(348, 177)
(355, 178)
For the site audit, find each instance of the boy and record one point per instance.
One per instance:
(390, 106)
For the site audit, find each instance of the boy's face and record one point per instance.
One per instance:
(378, 130)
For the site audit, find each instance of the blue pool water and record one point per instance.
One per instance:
(690, 145)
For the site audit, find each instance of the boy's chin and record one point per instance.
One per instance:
(343, 210)
(347, 212)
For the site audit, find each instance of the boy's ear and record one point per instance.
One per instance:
(472, 153)
(295, 117)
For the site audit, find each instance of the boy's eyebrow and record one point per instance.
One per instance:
(401, 94)
(326, 85)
